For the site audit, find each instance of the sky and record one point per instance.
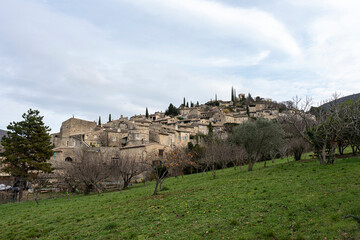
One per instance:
(91, 58)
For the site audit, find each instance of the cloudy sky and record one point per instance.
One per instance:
(95, 57)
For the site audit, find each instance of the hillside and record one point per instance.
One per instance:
(2, 133)
(297, 200)
(343, 99)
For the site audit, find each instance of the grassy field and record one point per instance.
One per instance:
(296, 200)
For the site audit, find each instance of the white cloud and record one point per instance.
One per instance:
(250, 24)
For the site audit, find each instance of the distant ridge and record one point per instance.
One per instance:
(2, 133)
(343, 99)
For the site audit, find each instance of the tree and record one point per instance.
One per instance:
(110, 117)
(172, 111)
(216, 153)
(89, 168)
(184, 103)
(147, 113)
(27, 148)
(210, 132)
(99, 122)
(197, 103)
(126, 168)
(187, 104)
(258, 138)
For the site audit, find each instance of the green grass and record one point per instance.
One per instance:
(296, 200)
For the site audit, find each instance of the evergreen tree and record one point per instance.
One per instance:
(197, 103)
(210, 129)
(247, 110)
(147, 113)
(216, 97)
(27, 149)
(172, 111)
(110, 118)
(184, 102)
(232, 94)
(99, 122)
(187, 104)
(191, 104)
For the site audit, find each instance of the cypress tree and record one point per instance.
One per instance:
(184, 102)
(197, 103)
(99, 122)
(110, 117)
(147, 113)
(210, 129)
(232, 94)
(187, 104)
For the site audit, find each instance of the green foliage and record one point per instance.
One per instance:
(211, 131)
(260, 138)
(283, 201)
(110, 118)
(147, 113)
(27, 147)
(99, 122)
(172, 111)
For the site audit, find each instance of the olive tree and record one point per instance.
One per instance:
(258, 138)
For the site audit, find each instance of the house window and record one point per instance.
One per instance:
(161, 152)
(115, 160)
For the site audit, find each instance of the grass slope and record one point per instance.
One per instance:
(296, 200)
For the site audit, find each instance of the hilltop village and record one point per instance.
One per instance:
(141, 135)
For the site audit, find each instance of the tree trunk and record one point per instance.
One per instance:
(214, 172)
(265, 164)
(331, 159)
(297, 155)
(250, 166)
(156, 187)
(322, 154)
(21, 186)
(36, 196)
(87, 189)
(161, 182)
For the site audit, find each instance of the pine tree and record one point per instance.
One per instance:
(109, 117)
(147, 113)
(27, 148)
(99, 122)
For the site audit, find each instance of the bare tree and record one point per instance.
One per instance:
(127, 167)
(217, 153)
(89, 169)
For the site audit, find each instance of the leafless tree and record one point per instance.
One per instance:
(38, 181)
(89, 168)
(238, 155)
(217, 153)
(126, 167)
